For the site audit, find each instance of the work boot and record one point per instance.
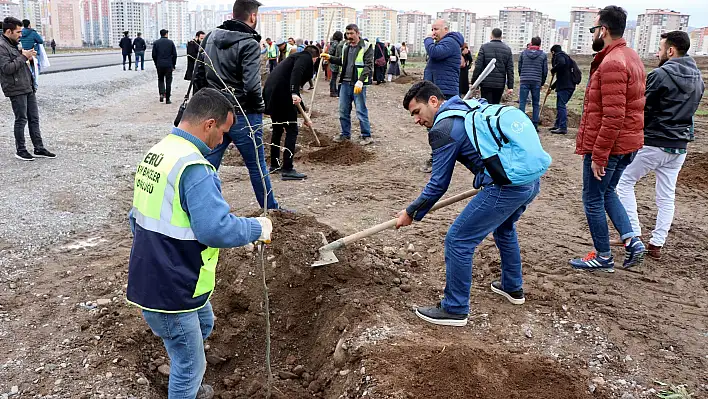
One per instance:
(292, 174)
(366, 141)
(516, 297)
(437, 315)
(162, 97)
(654, 251)
(341, 138)
(205, 392)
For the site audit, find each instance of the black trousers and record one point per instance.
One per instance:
(25, 109)
(334, 83)
(291, 132)
(493, 96)
(129, 57)
(272, 64)
(164, 81)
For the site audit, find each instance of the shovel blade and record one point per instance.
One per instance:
(326, 258)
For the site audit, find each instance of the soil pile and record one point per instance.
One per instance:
(694, 173)
(548, 118)
(345, 153)
(407, 79)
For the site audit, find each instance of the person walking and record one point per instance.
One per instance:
(610, 133)
(403, 57)
(564, 86)
(234, 51)
(17, 84)
(673, 95)
(126, 45)
(335, 50)
(271, 55)
(466, 62)
(194, 47)
(139, 47)
(492, 87)
(380, 61)
(54, 46)
(179, 221)
(495, 209)
(357, 62)
(281, 93)
(164, 54)
(533, 71)
(444, 53)
(393, 69)
(31, 40)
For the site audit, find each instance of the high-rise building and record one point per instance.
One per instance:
(64, 23)
(379, 22)
(149, 25)
(126, 15)
(96, 21)
(562, 35)
(172, 15)
(413, 27)
(343, 16)
(270, 24)
(206, 21)
(580, 38)
(9, 9)
(461, 21)
(699, 42)
(32, 10)
(520, 24)
(290, 26)
(483, 31)
(307, 21)
(630, 35)
(547, 32)
(652, 24)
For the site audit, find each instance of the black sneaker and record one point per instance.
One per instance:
(167, 101)
(162, 97)
(516, 297)
(559, 131)
(24, 155)
(437, 315)
(43, 153)
(292, 174)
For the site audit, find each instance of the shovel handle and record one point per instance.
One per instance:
(309, 121)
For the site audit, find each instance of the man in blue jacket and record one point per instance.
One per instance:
(30, 38)
(444, 50)
(179, 221)
(495, 209)
(533, 70)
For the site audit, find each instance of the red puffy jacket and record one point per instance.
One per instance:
(613, 110)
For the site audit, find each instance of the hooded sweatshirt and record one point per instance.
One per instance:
(443, 66)
(673, 93)
(30, 39)
(533, 66)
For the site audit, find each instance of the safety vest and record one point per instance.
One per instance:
(359, 62)
(169, 270)
(272, 51)
(288, 48)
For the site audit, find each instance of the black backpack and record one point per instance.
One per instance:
(575, 73)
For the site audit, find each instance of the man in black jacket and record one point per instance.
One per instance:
(564, 86)
(193, 48)
(492, 88)
(281, 93)
(127, 46)
(139, 47)
(164, 54)
(233, 53)
(673, 93)
(17, 84)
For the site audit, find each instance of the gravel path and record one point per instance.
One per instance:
(98, 122)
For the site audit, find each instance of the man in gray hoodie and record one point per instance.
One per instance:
(533, 70)
(673, 93)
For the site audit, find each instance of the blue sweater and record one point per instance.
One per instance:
(533, 67)
(30, 39)
(444, 58)
(450, 144)
(209, 214)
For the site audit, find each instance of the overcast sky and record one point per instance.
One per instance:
(698, 9)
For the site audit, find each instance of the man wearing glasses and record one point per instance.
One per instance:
(611, 131)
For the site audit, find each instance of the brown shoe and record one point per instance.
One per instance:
(654, 251)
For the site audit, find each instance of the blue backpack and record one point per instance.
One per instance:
(506, 139)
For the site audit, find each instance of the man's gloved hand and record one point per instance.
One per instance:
(358, 87)
(266, 229)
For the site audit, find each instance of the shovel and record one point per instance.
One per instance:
(327, 255)
(548, 92)
(309, 121)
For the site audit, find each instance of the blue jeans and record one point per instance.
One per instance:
(562, 98)
(494, 210)
(140, 55)
(240, 135)
(346, 97)
(535, 97)
(599, 196)
(183, 335)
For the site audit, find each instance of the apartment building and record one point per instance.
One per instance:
(462, 21)
(339, 15)
(579, 37)
(520, 24)
(413, 27)
(483, 31)
(379, 22)
(652, 24)
(699, 42)
(269, 25)
(173, 16)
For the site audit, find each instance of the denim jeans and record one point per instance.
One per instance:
(535, 97)
(25, 109)
(140, 55)
(346, 97)
(600, 197)
(239, 134)
(183, 335)
(562, 98)
(495, 209)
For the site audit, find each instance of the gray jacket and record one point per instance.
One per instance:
(368, 69)
(503, 73)
(335, 50)
(234, 52)
(15, 76)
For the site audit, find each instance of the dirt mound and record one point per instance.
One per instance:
(407, 79)
(548, 117)
(693, 173)
(345, 153)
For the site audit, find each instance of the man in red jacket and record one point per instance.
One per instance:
(611, 131)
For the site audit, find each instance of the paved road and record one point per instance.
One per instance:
(64, 62)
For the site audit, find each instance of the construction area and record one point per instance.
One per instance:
(345, 330)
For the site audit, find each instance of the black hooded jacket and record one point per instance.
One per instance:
(673, 93)
(233, 51)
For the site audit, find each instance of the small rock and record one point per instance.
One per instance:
(164, 369)
(378, 280)
(627, 395)
(290, 360)
(307, 377)
(215, 360)
(340, 355)
(592, 388)
(389, 251)
(286, 375)
(598, 381)
(299, 370)
(13, 286)
(528, 333)
(621, 382)
(397, 281)
(109, 375)
(341, 322)
(103, 302)
(318, 300)
(406, 288)
(58, 382)
(411, 248)
(344, 372)
(417, 256)
(628, 358)
(270, 258)
(254, 387)
(363, 370)
(432, 250)
(14, 390)
(314, 387)
(142, 381)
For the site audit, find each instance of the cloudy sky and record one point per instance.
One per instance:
(698, 9)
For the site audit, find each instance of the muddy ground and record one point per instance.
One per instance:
(348, 330)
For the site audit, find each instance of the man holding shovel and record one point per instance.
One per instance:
(495, 209)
